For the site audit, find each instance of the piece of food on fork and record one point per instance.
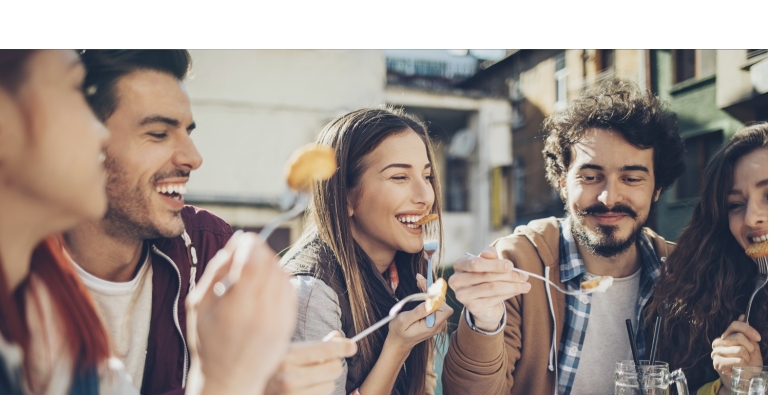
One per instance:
(757, 250)
(428, 218)
(310, 163)
(436, 296)
(596, 284)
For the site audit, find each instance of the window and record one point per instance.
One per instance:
(693, 63)
(502, 194)
(605, 60)
(456, 195)
(699, 150)
(520, 182)
(561, 82)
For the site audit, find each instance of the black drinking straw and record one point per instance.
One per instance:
(635, 353)
(654, 346)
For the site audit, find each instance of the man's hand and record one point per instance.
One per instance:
(311, 367)
(483, 283)
(236, 340)
(738, 346)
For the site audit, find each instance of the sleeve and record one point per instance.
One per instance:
(318, 314)
(483, 363)
(710, 388)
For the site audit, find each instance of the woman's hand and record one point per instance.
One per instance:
(409, 328)
(738, 346)
(237, 340)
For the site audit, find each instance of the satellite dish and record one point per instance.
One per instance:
(462, 144)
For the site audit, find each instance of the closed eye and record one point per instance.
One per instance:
(159, 136)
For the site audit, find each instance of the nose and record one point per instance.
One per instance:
(187, 155)
(756, 213)
(610, 195)
(423, 193)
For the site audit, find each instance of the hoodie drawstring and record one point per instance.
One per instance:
(552, 353)
(193, 256)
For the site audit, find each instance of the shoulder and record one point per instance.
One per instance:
(310, 289)
(663, 248)
(318, 309)
(201, 221)
(537, 241)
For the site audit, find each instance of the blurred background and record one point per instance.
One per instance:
(484, 109)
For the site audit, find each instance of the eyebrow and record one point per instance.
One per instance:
(401, 166)
(624, 168)
(165, 120)
(760, 184)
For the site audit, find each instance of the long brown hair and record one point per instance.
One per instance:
(708, 278)
(353, 136)
(85, 335)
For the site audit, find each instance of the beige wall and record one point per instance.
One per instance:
(253, 108)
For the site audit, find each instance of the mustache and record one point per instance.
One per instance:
(176, 173)
(600, 208)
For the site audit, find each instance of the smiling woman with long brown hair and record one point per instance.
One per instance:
(703, 293)
(361, 252)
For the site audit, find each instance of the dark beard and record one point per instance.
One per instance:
(608, 245)
(128, 210)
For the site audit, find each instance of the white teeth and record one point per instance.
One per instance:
(179, 189)
(764, 238)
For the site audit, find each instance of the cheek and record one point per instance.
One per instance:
(735, 222)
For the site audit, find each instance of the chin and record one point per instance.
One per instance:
(172, 227)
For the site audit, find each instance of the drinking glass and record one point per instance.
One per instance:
(749, 380)
(654, 379)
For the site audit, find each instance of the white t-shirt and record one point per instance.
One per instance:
(125, 309)
(606, 340)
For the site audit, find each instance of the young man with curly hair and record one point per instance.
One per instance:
(609, 155)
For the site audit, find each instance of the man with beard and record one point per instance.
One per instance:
(609, 155)
(143, 258)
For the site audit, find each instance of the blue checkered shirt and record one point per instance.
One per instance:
(571, 272)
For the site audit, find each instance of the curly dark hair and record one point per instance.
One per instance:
(620, 106)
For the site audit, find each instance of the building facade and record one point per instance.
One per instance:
(254, 108)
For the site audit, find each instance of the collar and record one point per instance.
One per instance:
(392, 279)
(571, 264)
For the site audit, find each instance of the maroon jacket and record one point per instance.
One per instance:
(168, 359)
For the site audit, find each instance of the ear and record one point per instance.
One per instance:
(350, 206)
(656, 195)
(563, 187)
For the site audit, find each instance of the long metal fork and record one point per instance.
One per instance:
(393, 313)
(430, 232)
(300, 204)
(557, 286)
(760, 282)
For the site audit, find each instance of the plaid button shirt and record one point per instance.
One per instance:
(571, 271)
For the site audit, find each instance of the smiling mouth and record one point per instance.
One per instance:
(409, 220)
(174, 191)
(758, 239)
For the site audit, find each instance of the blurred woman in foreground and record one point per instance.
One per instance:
(361, 251)
(703, 294)
(51, 177)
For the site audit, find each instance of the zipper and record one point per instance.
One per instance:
(176, 314)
